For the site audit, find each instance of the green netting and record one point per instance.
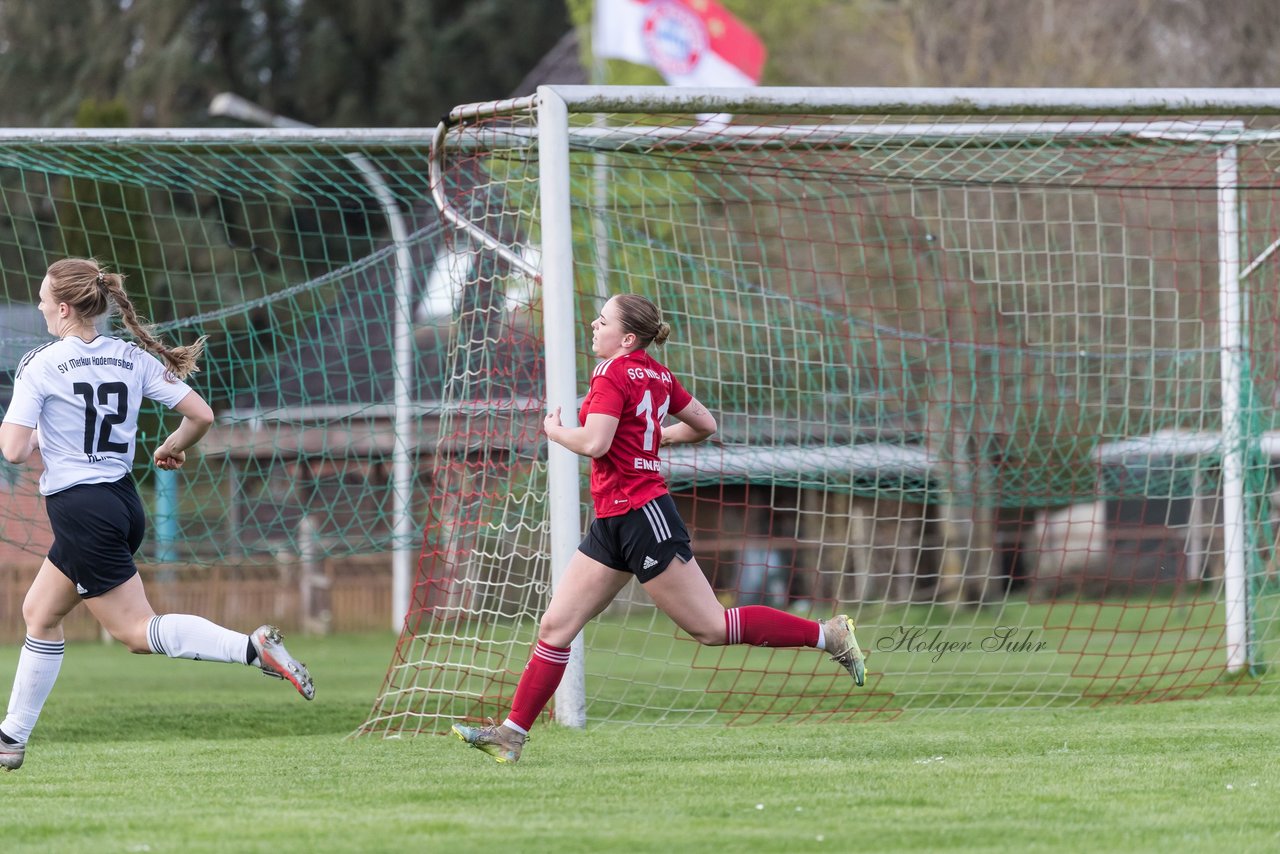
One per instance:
(965, 380)
(969, 376)
(279, 250)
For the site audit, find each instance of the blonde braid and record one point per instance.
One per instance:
(181, 361)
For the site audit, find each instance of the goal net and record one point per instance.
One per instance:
(994, 376)
(311, 260)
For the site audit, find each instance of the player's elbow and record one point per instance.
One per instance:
(595, 440)
(705, 428)
(201, 415)
(595, 448)
(196, 410)
(16, 449)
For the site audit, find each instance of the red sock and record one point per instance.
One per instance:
(538, 683)
(762, 626)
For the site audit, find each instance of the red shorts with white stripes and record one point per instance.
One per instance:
(643, 541)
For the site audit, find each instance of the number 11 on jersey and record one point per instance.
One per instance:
(651, 423)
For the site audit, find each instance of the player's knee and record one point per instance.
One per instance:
(710, 635)
(134, 639)
(39, 621)
(137, 648)
(554, 631)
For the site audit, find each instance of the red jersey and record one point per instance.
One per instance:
(639, 392)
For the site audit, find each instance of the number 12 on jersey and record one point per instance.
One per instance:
(102, 430)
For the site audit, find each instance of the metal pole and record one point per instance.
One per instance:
(228, 104)
(165, 517)
(558, 333)
(894, 100)
(600, 170)
(1231, 330)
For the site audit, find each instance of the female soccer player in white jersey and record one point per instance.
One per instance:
(637, 530)
(76, 399)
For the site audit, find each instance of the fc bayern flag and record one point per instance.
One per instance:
(689, 42)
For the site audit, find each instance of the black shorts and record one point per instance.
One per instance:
(643, 541)
(96, 529)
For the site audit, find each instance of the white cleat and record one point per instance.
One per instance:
(11, 756)
(276, 662)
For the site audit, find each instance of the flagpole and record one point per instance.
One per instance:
(600, 187)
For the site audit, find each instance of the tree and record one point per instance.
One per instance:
(328, 63)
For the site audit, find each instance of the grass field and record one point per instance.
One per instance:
(641, 669)
(147, 754)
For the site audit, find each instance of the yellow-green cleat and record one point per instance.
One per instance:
(503, 744)
(843, 647)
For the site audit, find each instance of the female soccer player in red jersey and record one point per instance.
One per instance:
(76, 399)
(637, 530)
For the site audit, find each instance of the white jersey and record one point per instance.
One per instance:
(84, 400)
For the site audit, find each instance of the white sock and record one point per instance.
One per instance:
(188, 636)
(38, 666)
(515, 726)
(822, 637)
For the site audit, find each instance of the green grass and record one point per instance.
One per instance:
(146, 754)
(641, 669)
(1079, 654)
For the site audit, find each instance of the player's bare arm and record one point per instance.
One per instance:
(592, 439)
(18, 443)
(197, 418)
(695, 423)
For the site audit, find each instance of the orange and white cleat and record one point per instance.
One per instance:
(275, 661)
